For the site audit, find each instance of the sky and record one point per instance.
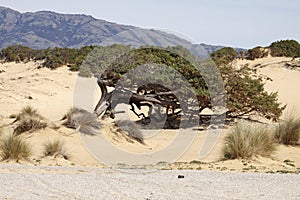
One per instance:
(236, 23)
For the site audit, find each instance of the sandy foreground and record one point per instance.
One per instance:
(52, 93)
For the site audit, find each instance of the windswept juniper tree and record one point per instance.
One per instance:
(177, 88)
(165, 82)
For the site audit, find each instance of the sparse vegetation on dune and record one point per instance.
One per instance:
(28, 120)
(82, 120)
(247, 140)
(288, 131)
(132, 130)
(13, 147)
(55, 148)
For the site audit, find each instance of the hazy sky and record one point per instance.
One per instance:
(239, 23)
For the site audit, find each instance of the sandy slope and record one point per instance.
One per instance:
(52, 93)
(279, 77)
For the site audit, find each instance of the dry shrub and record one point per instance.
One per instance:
(13, 147)
(247, 140)
(55, 148)
(83, 121)
(132, 130)
(288, 131)
(28, 120)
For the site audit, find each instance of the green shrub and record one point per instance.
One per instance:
(288, 48)
(224, 56)
(14, 147)
(247, 140)
(52, 58)
(257, 52)
(55, 148)
(288, 131)
(28, 120)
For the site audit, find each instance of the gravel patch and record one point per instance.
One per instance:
(37, 182)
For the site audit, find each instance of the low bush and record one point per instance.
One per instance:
(28, 120)
(288, 131)
(13, 147)
(257, 52)
(132, 130)
(55, 148)
(247, 140)
(288, 48)
(83, 121)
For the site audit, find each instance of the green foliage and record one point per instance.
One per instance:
(14, 147)
(100, 58)
(257, 52)
(52, 58)
(247, 95)
(17, 53)
(288, 131)
(247, 140)
(224, 56)
(55, 148)
(288, 48)
(182, 52)
(150, 57)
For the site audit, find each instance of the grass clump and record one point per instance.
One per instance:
(28, 120)
(288, 131)
(55, 148)
(246, 140)
(132, 130)
(82, 120)
(13, 147)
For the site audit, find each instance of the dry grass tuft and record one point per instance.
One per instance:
(28, 120)
(288, 131)
(13, 147)
(247, 140)
(132, 130)
(55, 148)
(83, 121)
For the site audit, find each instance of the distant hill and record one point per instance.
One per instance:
(45, 29)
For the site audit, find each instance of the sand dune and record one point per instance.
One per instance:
(49, 91)
(279, 77)
(52, 93)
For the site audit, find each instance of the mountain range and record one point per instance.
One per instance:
(43, 29)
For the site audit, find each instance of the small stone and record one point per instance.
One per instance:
(180, 176)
